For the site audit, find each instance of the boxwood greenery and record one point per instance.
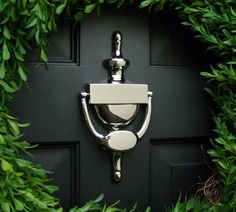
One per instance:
(25, 24)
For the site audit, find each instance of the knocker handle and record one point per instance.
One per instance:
(146, 122)
(99, 136)
(111, 141)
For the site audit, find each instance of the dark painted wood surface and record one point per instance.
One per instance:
(169, 158)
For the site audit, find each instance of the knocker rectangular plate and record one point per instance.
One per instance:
(118, 93)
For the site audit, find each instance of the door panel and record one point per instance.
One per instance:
(63, 45)
(155, 170)
(61, 159)
(181, 163)
(172, 44)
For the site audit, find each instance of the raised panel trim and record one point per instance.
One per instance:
(74, 59)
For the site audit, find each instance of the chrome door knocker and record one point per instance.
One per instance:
(116, 104)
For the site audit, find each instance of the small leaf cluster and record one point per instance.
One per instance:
(95, 205)
(23, 24)
(78, 10)
(195, 204)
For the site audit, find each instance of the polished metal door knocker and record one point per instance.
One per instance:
(116, 104)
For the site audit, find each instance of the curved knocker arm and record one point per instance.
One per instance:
(143, 129)
(87, 117)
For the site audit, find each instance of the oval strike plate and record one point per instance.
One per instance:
(114, 140)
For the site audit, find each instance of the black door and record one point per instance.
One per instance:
(169, 158)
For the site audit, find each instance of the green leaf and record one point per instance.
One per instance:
(37, 36)
(23, 163)
(145, 3)
(6, 33)
(9, 116)
(60, 8)
(21, 48)
(6, 53)
(7, 167)
(2, 70)
(78, 15)
(36, 201)
(40, 172)
(99, 198)
(2, 140)
(89, 8)
(32, 23)
(24, 125)
(43, 55)
(18, 205)
(24, 3)
(120, 3)
(148, 209)
(13, 127)
(51, 24)
(22, 74)
(111, 1)
(222, 163)
(190, 10)
(190, 204)
(18, 55)
(5, 206)
(7, 87)
(133, 208)
(50, 188)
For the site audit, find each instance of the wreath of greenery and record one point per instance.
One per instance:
(26, 23)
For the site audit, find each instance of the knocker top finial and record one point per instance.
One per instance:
(117, 44)
(117, 64)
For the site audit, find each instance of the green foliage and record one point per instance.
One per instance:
(25, 24)
(95, 205)
(195, 204)
(215, 24)
(23, 185)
